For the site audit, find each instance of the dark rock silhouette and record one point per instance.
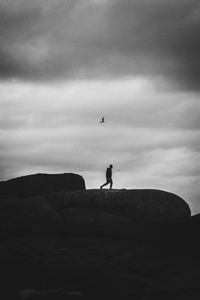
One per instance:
(126, 244)
(91, 212)
(41, 184)
(195, 220)
(148, 205)
(190, 233)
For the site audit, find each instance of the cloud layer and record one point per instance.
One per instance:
(44, 40)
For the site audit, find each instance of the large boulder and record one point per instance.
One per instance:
(139, 205)
(191, 230)
(41, 184)
(27, 217)
(92, 212)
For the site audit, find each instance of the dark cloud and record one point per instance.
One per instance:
(74, 39)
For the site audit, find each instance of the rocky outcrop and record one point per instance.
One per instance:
(41, 184)
(154, 205)
(190, 234)
(91, 212)
(109, 249)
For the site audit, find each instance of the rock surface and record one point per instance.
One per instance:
(98, 254)
(91, 212)
(41, 184)
(97, 268)
(153, 205)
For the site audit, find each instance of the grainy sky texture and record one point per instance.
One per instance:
(64, 64)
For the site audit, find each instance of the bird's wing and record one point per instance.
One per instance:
(102, 120)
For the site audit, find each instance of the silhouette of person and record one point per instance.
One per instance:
(108, 177)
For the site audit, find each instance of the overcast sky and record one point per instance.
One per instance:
(64, 64)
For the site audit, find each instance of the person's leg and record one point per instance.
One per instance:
(107, 182)
(111, 184)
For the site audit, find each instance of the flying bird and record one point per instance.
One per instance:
(102, 120)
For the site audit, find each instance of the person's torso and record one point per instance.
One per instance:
(109, 173)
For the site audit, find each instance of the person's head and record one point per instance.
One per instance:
(111, 166)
